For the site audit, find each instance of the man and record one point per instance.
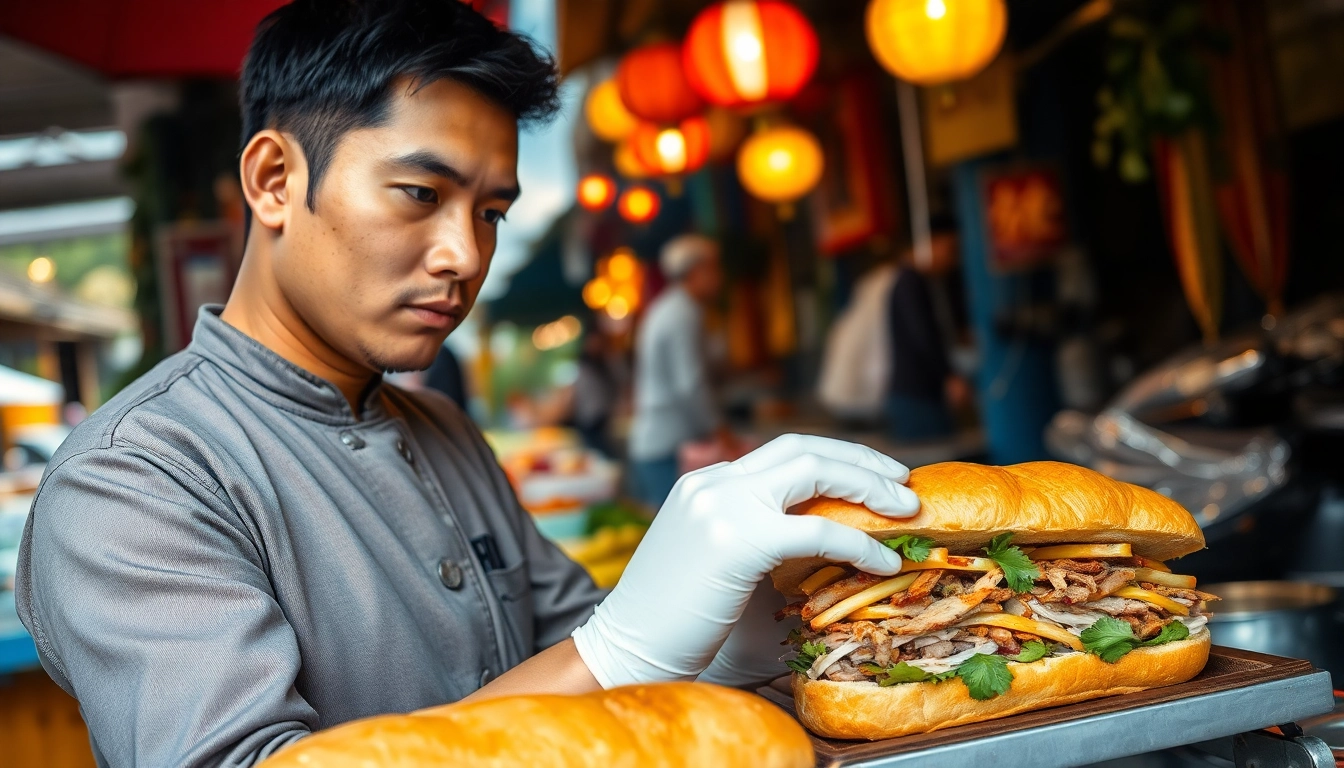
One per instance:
(673, 402)
(259, 538)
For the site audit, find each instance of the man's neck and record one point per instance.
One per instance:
(258, 308)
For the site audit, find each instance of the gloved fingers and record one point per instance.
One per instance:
(787, 447)
(809, 475)
(807, 536)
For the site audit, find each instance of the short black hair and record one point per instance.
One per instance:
(318, 69)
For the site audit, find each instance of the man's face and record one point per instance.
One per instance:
(404, 228)
(705, 279)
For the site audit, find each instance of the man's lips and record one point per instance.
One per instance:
(437, 314)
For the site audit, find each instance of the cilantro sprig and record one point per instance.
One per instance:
(806, 656)
(1032, 650)
(1110, 639)
(913, 548)
(1018, 569)
(986, 675)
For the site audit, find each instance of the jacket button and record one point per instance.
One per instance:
(351, 440)
(450, 574)
(405, 451)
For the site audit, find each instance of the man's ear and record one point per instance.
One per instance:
(274, 177)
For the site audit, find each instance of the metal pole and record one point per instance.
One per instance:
(912, 147)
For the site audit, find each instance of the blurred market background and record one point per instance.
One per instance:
(1109, 230)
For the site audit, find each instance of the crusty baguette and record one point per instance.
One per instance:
(866, 711)
(670, 725)
(1044, 502)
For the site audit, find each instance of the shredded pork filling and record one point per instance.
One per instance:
(1072, 594)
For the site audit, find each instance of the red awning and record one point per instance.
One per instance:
(153, 38)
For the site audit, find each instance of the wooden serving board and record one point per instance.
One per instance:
(1228, 668)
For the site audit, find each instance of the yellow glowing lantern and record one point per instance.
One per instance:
(929, 42)
(780, 164)
(606, 113)
(596, 191)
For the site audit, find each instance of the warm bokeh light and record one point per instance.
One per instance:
(618, 308)
(622, 265)
(596, 191)
(627, 162)
(742, 53)
(930, 42)
(672, 150)
(597, 293)
(653, 85)
(607, 116)
(556, 334)
(41, 270)
(639, 205)
(781, 164)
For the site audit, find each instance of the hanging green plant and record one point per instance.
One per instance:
(1155, 83)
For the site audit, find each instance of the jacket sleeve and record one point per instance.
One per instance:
(149, 603)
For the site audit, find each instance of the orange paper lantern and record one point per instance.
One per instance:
(628, 164)
(672, 150)
(606, 113)
(745, 52)
(781, 164)
(653, 85)
(930, 42)
(639, 205)
(596, 191)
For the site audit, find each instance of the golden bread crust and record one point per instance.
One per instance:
(863, 711)
(669, 725)
(1043, 502)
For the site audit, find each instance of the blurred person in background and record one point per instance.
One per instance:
(594, 393)
(924, 389)
(674, 403)
(261, 537)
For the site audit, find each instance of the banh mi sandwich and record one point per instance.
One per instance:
(1022, 587)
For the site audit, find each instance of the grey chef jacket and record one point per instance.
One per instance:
(223, 558)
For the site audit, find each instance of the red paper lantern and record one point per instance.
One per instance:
(745, 52)
(653, 85)
(639, 205)
(596, 191)
(672, 150)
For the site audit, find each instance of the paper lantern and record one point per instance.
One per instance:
(639, 205)
(929, 42)
(780, 164)
(596, 191)
(607, 116)
(746, 52)
(653, 85)
(671, 150)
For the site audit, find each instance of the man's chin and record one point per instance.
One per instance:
(401, 360)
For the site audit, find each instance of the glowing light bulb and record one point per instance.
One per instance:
(746, 47)
(935, 9)
(618, 308)
(672, 149)
(779, 160)
(41, 270)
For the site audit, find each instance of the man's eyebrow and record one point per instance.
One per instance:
(425, 161)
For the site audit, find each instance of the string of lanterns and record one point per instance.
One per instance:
(668, 108)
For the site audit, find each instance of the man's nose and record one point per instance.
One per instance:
(454, 252)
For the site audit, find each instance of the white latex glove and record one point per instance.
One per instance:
(720, 532)
(752, 652)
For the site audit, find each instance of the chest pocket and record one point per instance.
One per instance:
(513, 587)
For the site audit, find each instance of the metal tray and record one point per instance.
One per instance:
(1237, 691)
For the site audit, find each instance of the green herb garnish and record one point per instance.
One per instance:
(903, 673)
(807, 655)
(1032, 650)
(985, 675)
(1018, 570)
(913, 548)
(1110, 639)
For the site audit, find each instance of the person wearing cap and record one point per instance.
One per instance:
(674, 403)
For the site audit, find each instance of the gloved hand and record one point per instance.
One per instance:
(721, 531)
(752, 652)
